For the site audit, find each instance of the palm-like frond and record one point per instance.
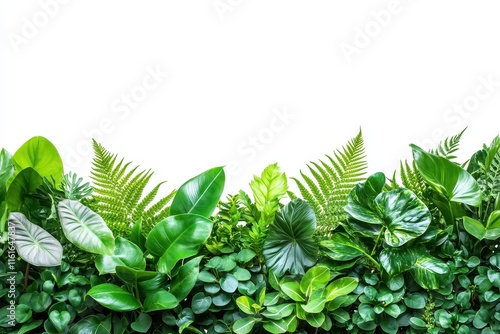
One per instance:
(448, 147)
(330, 181)
(118, 194)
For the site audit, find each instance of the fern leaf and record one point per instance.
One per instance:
(449, 146)
(327, 187)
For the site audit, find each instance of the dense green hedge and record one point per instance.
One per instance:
(416, 252)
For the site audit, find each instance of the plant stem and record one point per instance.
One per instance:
(377, 240)
(26, 274)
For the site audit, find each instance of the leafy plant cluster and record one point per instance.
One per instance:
(349, 253)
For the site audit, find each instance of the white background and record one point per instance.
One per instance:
(232, 65)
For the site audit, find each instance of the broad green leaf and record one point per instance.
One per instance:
(360, 200)
(35, 245)
(92, 324)
(447, 178)
(133, 276)
(126, 253)
(415, 301)
(25, 328)
(268, 189)
(389, 325)
(340, 287)
(399, 260)
(229, 283)
(275, 326)
(244, 325)
(136, 235)
(59, 319)
(315, 278)
(160, 300)
(316, 303)
(315, 319)
(41, 155)
(24, 183)
(493, 226)
(85, 228)
(430, 272)
(6, 171)
(474, 227)
(343, 247)
(292, 323)
(200, 194)
(245, 255)
(113, 297)
(289, 245)
(292, 290)
(284, 310)
(185, 279)
(404, 215)
(245, 303)
(177, 237)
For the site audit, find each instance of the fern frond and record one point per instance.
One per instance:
(449, 146)
(327, 187)
(119, 193)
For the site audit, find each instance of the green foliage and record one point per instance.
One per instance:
(449, 146)
(328, 187)
(118, 194)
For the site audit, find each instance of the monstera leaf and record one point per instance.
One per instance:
(289, 245)
(85, 228)
(35, 245)
(399, 214)
(451, 181)
(200, 194)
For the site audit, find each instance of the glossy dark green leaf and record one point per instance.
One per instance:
(415, 301)
(244, 325)
(389, 325)
(136, 235)
(315, 319)
(35, 245)
(200, 194)
(447, 178)
(399, 260)
(404, 215)
(289, 245)
(92, 324)
(185, 279)
(85, 228)
(23, 313)
(221, 299)
(177, 237)
(60, 319)
(41, 155)
(275, 326)
(160, 300)
(24, 183)
(126, 254)
(142, 324)
(114, 297)
(207, 277)
(360, 201)
(245, 255)
(229, 283)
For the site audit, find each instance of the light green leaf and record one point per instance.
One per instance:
(24, 183)
(315, 278)
(399, 260)
(113, 297)
(493, 226)
(275, 326)
(133, 276)
(315, 319)
(343, 247)
(200, 194)
(430, 272)
(316, 302)
(447, 178)
(289, 245)
(474, 227)
(268, 189)
(244, 325)
(177, 237)
(85, 228)
(292, 290)
(41, 155)
(126, 253)
(35, 245)
(340, 287)
(245, 304)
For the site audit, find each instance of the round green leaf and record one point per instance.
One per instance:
(229, 283)
(113, 297)
(207, 277)
(160, 300)
(200, 303)
(84, 228)
(177, 237)
(289, 245)
(35, 245)
(244, 325)
(415, 301)
(142, 324)
(221, 299)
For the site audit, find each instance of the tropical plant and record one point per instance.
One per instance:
(328, 187)
(119, 197)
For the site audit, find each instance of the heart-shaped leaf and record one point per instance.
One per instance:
(35, 245)
(92, 324)
(200, 194)
(177, 237)
(142, 324)
(60, 319)
(126, 253)
(24, 183)
(113, 297)
(41, 155)
(85, 228)
(447, 178)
